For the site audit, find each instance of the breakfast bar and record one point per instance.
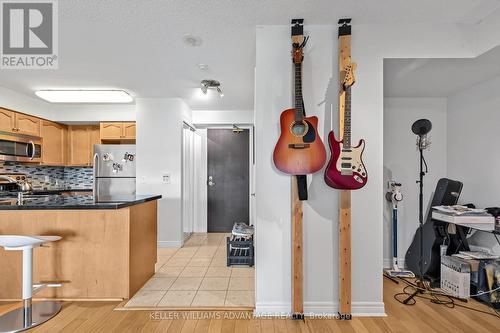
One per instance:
(107, 250)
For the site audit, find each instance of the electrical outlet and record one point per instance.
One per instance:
(166, 178)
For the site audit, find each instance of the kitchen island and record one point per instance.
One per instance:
(107, 251)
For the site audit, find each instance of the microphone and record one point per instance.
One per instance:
(421, 128)
(423, 142)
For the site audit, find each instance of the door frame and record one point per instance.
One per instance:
(251, 161)
(184, 124)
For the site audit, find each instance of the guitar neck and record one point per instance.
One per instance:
(347, 118)
(299, 111)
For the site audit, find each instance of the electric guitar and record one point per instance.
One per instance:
(345, 170)
(299, 150)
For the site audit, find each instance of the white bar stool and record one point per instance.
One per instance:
(29, 315)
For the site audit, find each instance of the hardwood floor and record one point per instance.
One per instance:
(422, 317)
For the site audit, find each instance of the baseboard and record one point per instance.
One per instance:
(326, 308)
(169, 244)
(272, 309)
(359, 309)
(388, 263)
(368, 309)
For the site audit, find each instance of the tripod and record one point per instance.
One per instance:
(420, 280)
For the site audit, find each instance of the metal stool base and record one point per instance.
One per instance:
(14, 321)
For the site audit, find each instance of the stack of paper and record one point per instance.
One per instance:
(468, 217)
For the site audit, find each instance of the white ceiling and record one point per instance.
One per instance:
(438, 77)
(137, 45)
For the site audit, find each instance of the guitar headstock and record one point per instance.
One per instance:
(298, 40)
(347, 76)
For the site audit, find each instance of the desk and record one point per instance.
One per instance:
(462, 231)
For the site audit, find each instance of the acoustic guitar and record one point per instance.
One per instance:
(299, 150)
(346, 170)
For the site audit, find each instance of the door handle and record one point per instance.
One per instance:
(210, 181)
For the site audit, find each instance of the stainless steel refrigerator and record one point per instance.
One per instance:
(114, 173)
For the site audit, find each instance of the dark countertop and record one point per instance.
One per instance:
(56, 202)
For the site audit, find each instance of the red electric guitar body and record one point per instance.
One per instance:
(346, 170)
(299, 150)
(355, 176)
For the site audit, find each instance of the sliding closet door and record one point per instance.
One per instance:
(188, 181)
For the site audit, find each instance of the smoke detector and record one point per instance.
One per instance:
(192, 40)
(202, 67)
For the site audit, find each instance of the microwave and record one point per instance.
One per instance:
(20, 148)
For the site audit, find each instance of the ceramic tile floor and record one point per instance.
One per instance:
(195, 276)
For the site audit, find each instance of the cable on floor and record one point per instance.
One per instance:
(434, 298)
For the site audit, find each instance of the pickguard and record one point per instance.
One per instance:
(310, 135)
(350, 163)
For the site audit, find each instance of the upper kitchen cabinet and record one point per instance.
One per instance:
(18, 123)
(7, 120)
(82, 139)
(129, 131)
(117, 132)
(54, 137)
(28, 125)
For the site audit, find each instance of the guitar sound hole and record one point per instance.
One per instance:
(299, 128)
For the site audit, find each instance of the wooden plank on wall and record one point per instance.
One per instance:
(345, 198)
(297, 251)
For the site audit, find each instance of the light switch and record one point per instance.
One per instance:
(166, 178)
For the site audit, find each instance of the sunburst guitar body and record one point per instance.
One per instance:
(299, 150)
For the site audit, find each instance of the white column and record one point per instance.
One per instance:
(27, 273)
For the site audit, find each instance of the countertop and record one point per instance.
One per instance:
(55, 202)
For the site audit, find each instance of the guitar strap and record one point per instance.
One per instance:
(302, 179)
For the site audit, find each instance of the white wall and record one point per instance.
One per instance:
(401, 163)
(19, 102)
(159, 133)
(473, 155)
(273, 94)
(222, 117)
(87, 113)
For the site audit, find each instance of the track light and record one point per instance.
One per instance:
(204, 89)
(219, 90)
(211, 84)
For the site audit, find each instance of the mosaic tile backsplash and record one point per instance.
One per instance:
(48, 177)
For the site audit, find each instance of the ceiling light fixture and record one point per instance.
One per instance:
(84, 96)
(211, 84)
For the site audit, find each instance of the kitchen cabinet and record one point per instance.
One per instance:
(54, 138)
(81, 144)
(7, 120)
(19, 123)
(117, 131)
(129, 131)
(28, 125)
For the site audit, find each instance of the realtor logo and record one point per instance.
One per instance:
(29, 34)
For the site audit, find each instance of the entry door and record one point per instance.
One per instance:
(228, 178)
